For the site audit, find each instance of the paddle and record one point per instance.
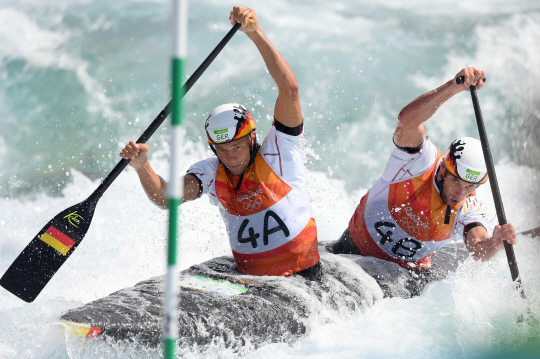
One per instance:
(535, 232)
(59, 238)
(493, 183)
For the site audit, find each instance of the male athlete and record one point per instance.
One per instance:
(425, 199)
(260, 190)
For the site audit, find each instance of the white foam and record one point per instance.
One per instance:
(126, 244)
(471, 313)
(20, 36)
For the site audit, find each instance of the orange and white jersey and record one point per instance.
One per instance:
(404, 219)
(269, 218)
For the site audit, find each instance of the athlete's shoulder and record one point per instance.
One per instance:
(205, 171)
(403, 165)
(287, 136)
(283, 146)
(207, 165)
(471, 211)
(286, 156)
(473, 204)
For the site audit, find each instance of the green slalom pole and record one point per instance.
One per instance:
(175, 187)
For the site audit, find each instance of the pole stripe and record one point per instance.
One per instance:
(175, 185)
(179, 35)
(171, 304)
(177, 90)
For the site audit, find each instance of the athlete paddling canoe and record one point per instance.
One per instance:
(425, 199)
(260, 190)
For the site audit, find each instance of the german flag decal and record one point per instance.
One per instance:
(81, 330)
(58, 240)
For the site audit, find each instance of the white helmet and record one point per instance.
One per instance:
(465, 160)
(227, 123)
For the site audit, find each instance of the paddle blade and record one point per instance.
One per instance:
(47, 251)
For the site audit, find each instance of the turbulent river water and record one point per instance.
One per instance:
(79, 79)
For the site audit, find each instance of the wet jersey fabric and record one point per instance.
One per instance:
(269, 219)
(403, 218)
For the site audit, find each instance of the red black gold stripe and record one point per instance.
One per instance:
(58, 240)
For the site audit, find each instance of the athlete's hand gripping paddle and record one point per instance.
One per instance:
(493, 183)
(57, 240)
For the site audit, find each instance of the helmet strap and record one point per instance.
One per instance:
(253, 149)
(215, 153)
(440, 181)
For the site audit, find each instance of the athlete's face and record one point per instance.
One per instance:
(235, 154)
(456, 190)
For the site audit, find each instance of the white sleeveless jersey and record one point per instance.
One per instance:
(269, 219)
(402, 217)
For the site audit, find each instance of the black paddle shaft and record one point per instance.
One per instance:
(57, 240)
(165, 112)
(512, 262)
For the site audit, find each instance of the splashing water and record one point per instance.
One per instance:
(81, 79)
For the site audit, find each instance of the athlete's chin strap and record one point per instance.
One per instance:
(253, 149)
(439, 183)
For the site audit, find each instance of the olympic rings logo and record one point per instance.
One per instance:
(417, 219)
(252, 204)
(410, 227)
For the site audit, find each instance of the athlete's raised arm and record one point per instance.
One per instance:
(155, 186)
(287, 108)
(410, 130)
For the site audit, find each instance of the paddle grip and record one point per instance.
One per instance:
(461, 79)
(250, 23)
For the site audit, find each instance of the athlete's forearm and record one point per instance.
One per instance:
(423, 107)
(481, 245)
(279, 69)
(485, 249)
(153, 185)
